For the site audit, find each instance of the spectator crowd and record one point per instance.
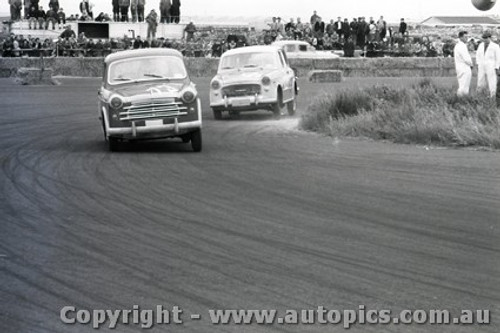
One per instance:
(373, 38)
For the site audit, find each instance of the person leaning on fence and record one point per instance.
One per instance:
(463, 64)
(152, 21)
(488, 63)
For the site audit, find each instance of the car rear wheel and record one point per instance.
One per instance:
(196, 142)
(217, 114)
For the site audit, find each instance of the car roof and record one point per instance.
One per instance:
(255, 48)
(285, 42)
(142, 53)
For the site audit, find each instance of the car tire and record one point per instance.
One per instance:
(114, 144)
(234, 114)
(292, 106)
(196, 141)
(217, 114)
(278, 105)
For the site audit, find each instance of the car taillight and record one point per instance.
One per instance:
(116, 102)
(266, 81)
(215, 85)
(188, 96)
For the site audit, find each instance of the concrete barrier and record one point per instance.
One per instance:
(325, 75)
(207, 67)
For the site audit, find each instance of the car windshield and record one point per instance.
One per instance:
(248, 60)
(146, 69)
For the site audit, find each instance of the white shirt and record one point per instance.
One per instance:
(462, 55)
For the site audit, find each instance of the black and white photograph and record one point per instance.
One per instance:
(265, 166)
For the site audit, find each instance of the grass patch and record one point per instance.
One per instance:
(423, 113)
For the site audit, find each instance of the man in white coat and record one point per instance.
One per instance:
(463, 64)
(488, 63)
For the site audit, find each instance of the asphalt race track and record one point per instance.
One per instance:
(265, 217)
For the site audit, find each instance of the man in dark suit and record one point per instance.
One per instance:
(402, 27)
(175, 11)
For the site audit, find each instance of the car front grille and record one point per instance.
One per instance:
(151, 109)
(241, 90)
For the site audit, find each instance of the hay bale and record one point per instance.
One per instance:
(325, 76)
(34, 76)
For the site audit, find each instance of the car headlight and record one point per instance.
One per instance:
(266, 81)
(215, 85)
(116, 102)
(188, 96)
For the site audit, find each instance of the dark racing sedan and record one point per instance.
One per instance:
(147, 94)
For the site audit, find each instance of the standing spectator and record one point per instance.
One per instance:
(281, 27)
(346, 30)
(314, 18)
(85, 8)
(54, 4)
(116, 10)
(175, 11)
(319, 28)
(402, 27)
(165, 11)
(299, 29)
(463, 64)
(51, 17)
(124, 6)
(381, 29)
(338, 27)
(273, 27)
(330, 28)
(133, 10)
(354, 31)
(488, 63)
(290, 28)
(372, 31)
(15, 9)
(61, 18)
(189, 31)
(152, 20)
(140, 10)
(361, 32)
(27, 6)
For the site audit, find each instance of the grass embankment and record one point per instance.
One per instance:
(423, 114)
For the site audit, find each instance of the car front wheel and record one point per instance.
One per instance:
(196, 141)
(217, 114)
(278, 105)
(114, 144)
(292, 106)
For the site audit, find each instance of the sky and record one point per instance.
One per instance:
(392, 10)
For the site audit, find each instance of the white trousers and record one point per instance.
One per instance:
(487, 78)
(464, 75)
